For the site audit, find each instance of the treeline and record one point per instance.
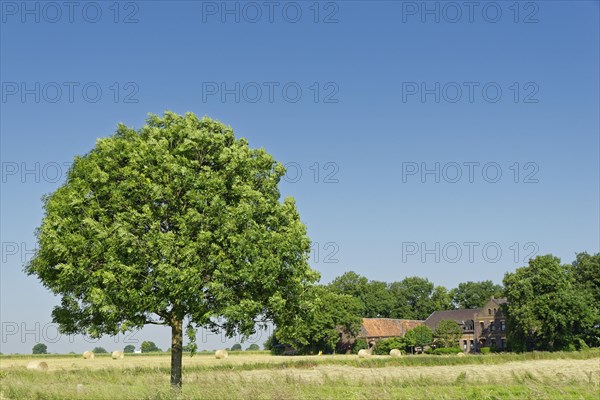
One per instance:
(551, 306)
(411, 298)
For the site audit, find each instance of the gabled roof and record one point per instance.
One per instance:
(460, 316)
(386, 327)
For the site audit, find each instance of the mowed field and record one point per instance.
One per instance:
(262, 376)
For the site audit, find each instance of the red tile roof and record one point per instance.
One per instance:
(386, 327)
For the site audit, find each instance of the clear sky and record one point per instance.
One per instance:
(448, 140)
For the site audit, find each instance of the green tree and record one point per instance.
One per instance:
(419, 336)
(129, 349)
(417, 298)
(236, 347)
(99, 350)
(176, 221)
(318, 327)
(586, 270)
(253, 347)
(474, 294)
(375, 298)
(40, 348)
(447, 333)
(149, 347)
(546, 309)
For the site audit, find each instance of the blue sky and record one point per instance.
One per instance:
(358, 96)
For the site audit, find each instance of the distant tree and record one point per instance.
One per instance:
(99, 350)
(318, 327)
(149, 347)
(474, 294)
(417, 298)
(447, 333)
(441, 299)
(129, 349)
(236, 347)
(375, 298)
(40, 348)
(419, 336)
(253, 347)
(546, 309)
(176, 221)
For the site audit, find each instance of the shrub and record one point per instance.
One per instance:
(253, 347)
(358, 345)
(129, 349)
(384, 346)
(485, 350)
(236, 347)
(446, 350)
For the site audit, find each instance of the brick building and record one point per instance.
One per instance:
(482, 327)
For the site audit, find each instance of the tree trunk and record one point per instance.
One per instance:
(176, 352)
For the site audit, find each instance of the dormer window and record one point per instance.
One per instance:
(489, 311)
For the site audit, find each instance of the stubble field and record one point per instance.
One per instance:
(262, 376)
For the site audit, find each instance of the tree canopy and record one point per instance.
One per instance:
(39, 348)
(447, 333)
(149, 347)
(318, 326)
(546, 309)
(129, 349)
(474, 294)
(419, 336)
(176, 221)
(99, 350)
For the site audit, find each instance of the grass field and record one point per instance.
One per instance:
(259, 375)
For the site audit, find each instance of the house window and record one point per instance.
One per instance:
(492, 326)
(495, 310)
(464, 344)
(503, 343)
(493, 343)
(489, 311)
(481, 326)
(502, 326)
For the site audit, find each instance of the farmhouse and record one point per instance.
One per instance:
(482, 327)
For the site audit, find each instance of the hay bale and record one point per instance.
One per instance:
(461, 355)
(364, 353)
(221, 354)
(88, 355)
(117, 355)
(394, 353)
(37, 366)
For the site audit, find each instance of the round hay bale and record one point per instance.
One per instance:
(88, 355)
(364, 353)
(221, 354)
(394, 353)
(38, 365)
(117, 355)
(461, 355)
